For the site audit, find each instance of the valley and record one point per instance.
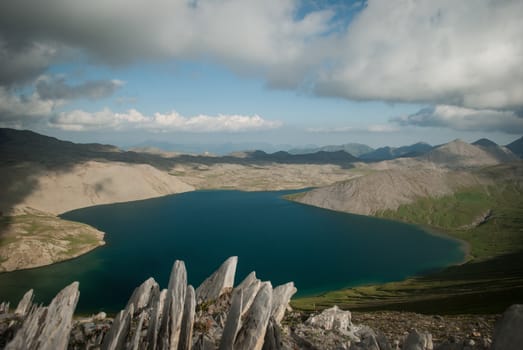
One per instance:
(470, 192)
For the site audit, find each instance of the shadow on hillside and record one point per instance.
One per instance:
(508, 266)
(26, 156)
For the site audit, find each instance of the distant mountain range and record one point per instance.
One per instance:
(387, 153)
(219, 149)
(355, 149)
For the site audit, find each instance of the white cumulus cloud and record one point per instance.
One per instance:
(78, 120)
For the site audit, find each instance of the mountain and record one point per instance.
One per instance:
(516, 147)
(503, 154)
(320, 157)
(484, 143)
(204, 148)
(388, 189)
(459, 154)
(355, 149)
(387, 153)
(54, 176)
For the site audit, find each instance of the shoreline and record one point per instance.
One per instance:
(57, 223)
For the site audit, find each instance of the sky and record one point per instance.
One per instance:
(281, 72)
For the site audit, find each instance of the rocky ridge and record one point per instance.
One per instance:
(218, 315)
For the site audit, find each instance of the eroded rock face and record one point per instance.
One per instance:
(219, 282)
(252, 332)
(48, 328)
(332, 318)
(508, 334)
(281, 296)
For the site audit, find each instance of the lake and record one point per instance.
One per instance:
(281, 240)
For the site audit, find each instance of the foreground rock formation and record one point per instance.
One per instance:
(215, 316)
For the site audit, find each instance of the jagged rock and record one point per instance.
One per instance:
(219, 282)
(232, 325)
(332, 318)
(281, 296)
(25, 304)
(115, 339)
(418, 341)
(508, 333)
(173, 307)
(250, 287)
(48, 328)
(155, 319)
(252, 333)
(141, 297)
(272, 339)
(138, 332)
(189, 311)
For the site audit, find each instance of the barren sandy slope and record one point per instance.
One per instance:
(88, 184)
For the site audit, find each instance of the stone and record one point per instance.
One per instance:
(233, 322)
(100, 316)
(155, 319)
(331, 319)
(189, 311)
(252, 333)
(138, 332)
(25, 304)
(250, 287)
(48, 328)
(508, 333)
(116, 338)
(272, 339)
(221, 281)
(418, 341)
(169, 334)
(141, 297)
(281, 296)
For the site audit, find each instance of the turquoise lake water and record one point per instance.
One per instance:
(282, 241)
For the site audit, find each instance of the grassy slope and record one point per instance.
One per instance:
(490, 281)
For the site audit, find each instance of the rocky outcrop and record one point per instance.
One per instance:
(331, 319)
(174, 319)
(219, 282)
(281, 296)
(153, 319)
(48, 328)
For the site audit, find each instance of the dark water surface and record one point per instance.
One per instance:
(281, 240)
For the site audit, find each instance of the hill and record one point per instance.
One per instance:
(355, 149)
(459, 154)
(516, 147)
(387, 153)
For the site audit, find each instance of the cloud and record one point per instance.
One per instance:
(20, 110)
(464, 119)
(58, 89)
(463, 53)
(246, 35)
(22, 62)
(373, 128)
(78, 120)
